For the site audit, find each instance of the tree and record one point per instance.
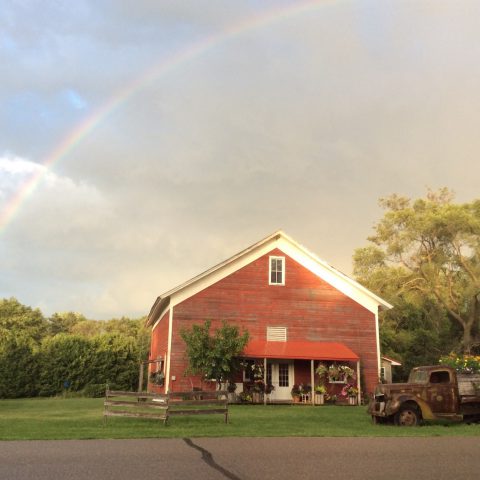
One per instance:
(64, 322)
(20, 319)
(214, 357)
(428, 250)
(18, 366)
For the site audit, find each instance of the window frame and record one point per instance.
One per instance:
(282, 259)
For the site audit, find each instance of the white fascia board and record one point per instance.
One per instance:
(333, 277)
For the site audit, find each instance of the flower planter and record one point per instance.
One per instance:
(352, 400)
(257, 397)
(319, 398)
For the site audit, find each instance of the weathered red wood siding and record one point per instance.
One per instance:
(159, 346)
(310, 308)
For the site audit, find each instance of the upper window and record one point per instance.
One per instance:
(277, 271)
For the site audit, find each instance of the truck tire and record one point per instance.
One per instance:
(408, 416)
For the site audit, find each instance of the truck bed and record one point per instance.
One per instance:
(469, 385)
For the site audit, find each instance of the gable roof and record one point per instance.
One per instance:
(290, 247)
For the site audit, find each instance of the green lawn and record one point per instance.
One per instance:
(82, 418)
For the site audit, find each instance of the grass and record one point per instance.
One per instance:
(82, 418)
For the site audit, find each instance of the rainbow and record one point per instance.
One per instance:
(194, 50)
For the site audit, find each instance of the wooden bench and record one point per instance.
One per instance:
(161, 406)
(135, 404)
(198, 403)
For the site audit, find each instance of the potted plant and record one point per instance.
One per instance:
(334, 373)
(231, 387)
(257, 390)
(320, 391)
(352, 393)
(295, 392)
(305, 392)
(158, 378)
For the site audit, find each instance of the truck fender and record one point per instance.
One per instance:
(422, 405)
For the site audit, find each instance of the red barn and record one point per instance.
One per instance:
(298, 310)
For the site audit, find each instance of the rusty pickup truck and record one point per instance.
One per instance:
(431, 393)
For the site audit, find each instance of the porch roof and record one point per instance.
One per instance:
(299, 350)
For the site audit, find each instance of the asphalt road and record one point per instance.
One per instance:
(243, 458)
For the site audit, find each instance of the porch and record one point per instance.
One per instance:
(311, 373)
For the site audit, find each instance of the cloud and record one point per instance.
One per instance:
(301, 124)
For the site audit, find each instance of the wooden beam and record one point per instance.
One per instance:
(265, 379)
(359, 395)
(140, 377)
(312, 376)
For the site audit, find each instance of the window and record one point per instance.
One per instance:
(283, 375)
(277, 271)
(439, 377)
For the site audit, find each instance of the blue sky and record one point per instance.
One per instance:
(301, 123)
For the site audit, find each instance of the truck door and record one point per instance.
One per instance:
(441, 392)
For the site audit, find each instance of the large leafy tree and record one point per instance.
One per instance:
(214, 356)
(19, 319)
(427, 251)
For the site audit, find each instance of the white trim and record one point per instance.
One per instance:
(169, 349)
(282, 259)
(278, 240)
(377, 334)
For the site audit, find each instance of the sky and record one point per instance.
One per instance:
(143, 142)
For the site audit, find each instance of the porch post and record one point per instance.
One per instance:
(265, 379)
(312, 378)
(359, 396)
(140, 377)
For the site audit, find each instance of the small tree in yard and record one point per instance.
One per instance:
(214, 356)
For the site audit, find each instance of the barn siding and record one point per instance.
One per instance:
(310, 308)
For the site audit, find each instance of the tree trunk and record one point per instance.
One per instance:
(467, 338)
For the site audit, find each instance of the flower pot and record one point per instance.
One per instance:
(257, 397)
(352, 400)
(296, 399)
(319, 398)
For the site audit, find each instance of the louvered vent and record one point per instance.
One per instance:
(276, 334)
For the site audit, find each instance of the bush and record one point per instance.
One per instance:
(94, 390)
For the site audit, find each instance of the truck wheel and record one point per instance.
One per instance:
(407, 416)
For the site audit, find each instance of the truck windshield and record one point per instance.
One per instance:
(418, 376)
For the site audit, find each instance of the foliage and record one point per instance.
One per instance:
(21, 320)
(214, 357)
(424, 259)
(462, 363)
(94, 390)
(321, 370)
(340, 373)
(38, 355)
(320, 389)
(18, 366)
(64, 358)
(64, 322)
(158, 378)
(295, 391)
